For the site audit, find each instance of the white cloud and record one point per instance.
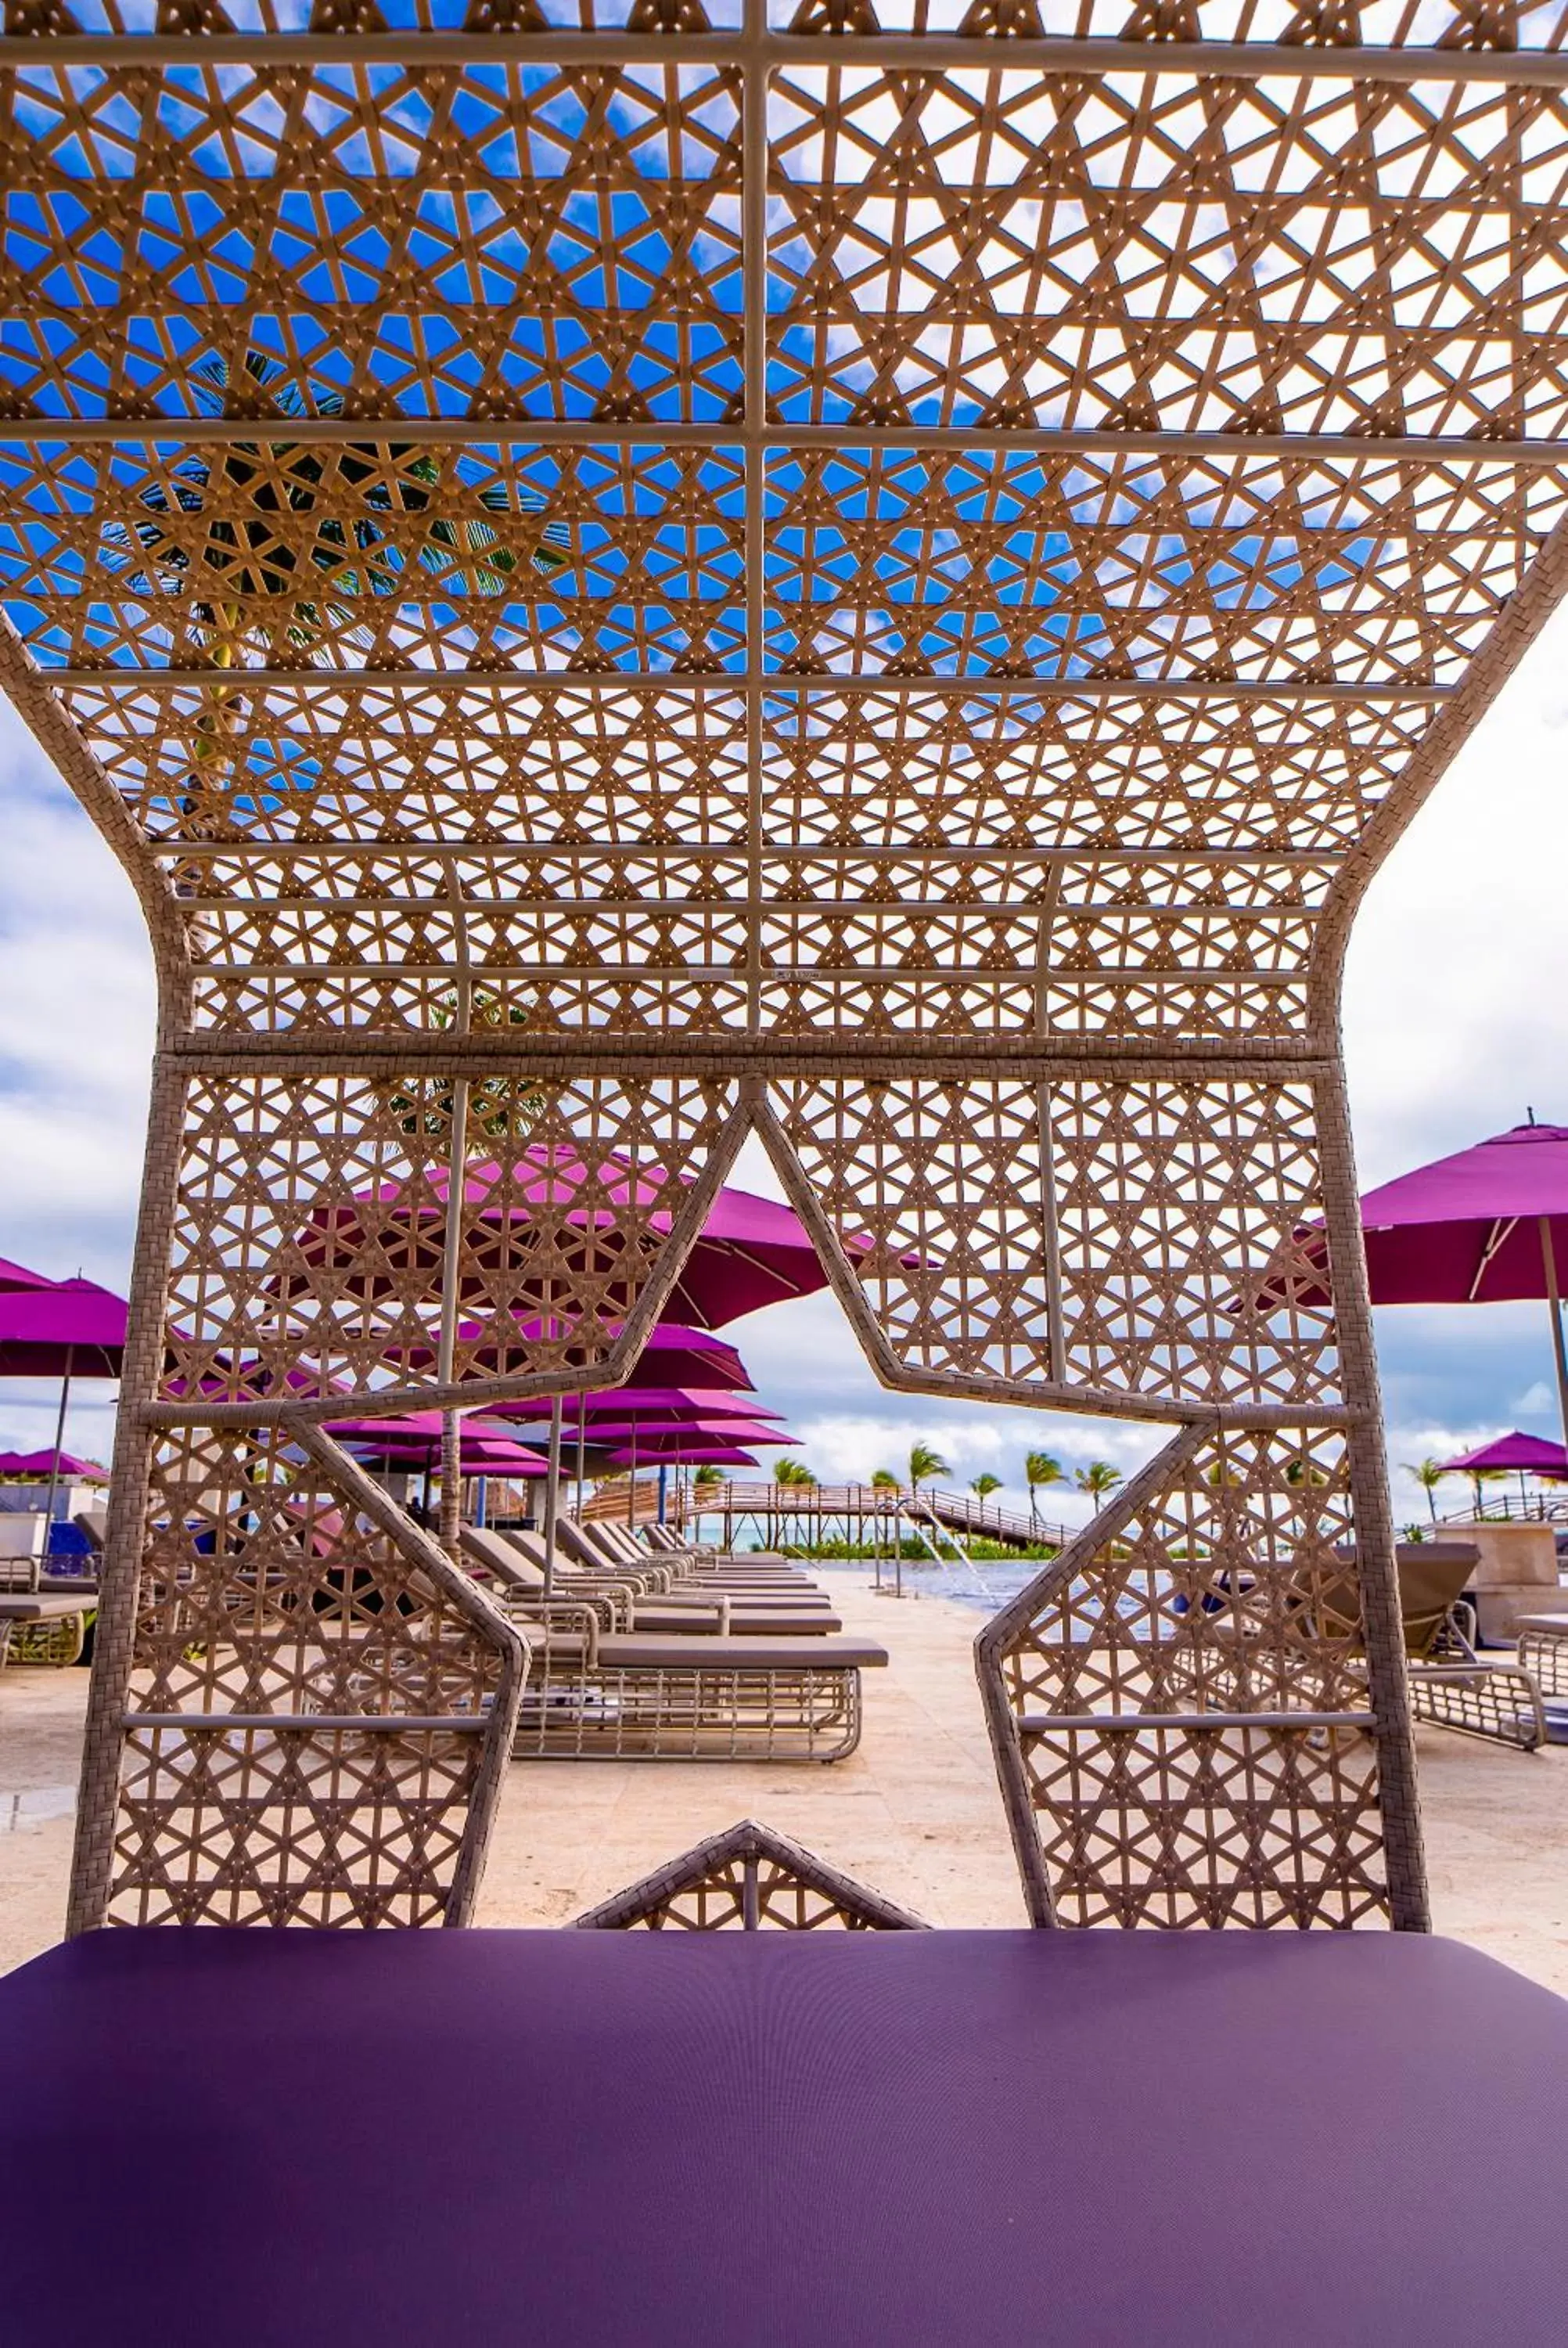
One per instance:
(77, 1014)
(1535, 1400)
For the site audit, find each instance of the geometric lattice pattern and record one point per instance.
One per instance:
(748, 1880)
(1193, 1718)
(876, 573)
(309, 1707)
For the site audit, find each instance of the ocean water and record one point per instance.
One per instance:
(985, 1585)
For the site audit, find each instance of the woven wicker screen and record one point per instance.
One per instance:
(877, 571)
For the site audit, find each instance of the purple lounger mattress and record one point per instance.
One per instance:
(607, 2140)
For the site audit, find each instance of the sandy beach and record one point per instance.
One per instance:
(914, 1812)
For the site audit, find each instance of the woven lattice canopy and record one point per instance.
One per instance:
(883, 578)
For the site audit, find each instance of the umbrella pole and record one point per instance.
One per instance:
(39, 1562)
(632, 1480)
(581, 1449)
(1554, 1302)
(552, 1496)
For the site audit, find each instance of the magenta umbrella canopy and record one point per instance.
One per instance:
(418, 1437)
(60, 1328)
(1486, 1226)
(1532, 1454)
(647, 1406)
(751, 1251)
(17, 1275)
(63, 1465)
(1466, 1230)
(675, 1355)
(658, 1440)
(696, 1455)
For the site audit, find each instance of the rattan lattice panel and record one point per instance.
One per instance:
(748, 1880)
(880, 573)
(309, 1709)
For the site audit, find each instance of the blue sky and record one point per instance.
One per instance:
(1456, 1022)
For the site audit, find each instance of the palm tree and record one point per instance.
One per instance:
(984, 1486)
(925, 1465)
(791, 1476)
(1429, 1474)
(1040, 1467)
(706, 1481)
(1099, 1481)
(497, 1110)
(883, 1480)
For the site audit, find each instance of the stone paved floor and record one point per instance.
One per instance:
(914, 1812)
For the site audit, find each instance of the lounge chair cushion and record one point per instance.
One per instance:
(662, 1616)
(633, 1651)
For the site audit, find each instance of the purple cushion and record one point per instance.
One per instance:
(624, 2140)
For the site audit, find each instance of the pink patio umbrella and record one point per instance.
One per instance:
(651, 1403)
(414, 1441)
(57, 1329)
(60, 1329)
(30, 1466)
(751, 1251)
(1524, 1455)
(17, 1275)
(590, 1413)
(691, 1454)
(1531, 1454)
(1486, 1226)
(484, 1450)
(664, 1441)
(674, 1355)
(711, 1454)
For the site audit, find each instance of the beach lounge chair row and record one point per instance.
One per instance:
(633, 1660)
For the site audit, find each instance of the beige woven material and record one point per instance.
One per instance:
(789, 571)
(749, 1878)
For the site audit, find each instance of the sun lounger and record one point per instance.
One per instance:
(515, 1561)
(619, 1541)
(588, 1548)
(43, 1627)
(1450, 1685)
(1542, 1651)
(637, 1696)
